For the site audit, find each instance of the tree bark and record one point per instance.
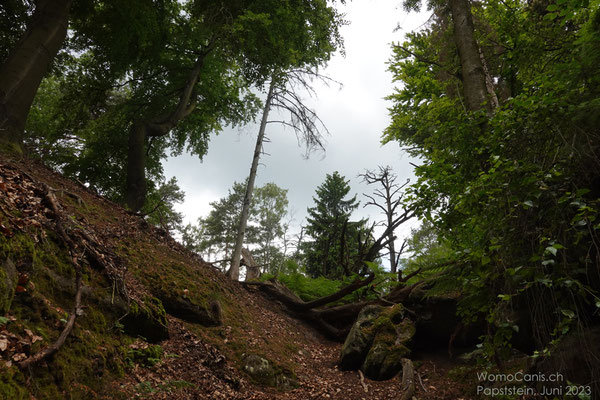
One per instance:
(136, 187)
(473, 74)
(234, 270)
(23, 70)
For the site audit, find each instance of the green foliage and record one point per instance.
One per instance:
(215, 234)
(513, 197)
(144, 356)
(335, 238)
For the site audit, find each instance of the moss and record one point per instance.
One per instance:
(12, 384)
(266, 373)
(147, 319)
(8, 282)
(147, 357)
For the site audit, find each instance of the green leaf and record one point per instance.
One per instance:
(568, 313)
(552, 250)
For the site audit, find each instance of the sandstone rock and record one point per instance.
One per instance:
(359, 339)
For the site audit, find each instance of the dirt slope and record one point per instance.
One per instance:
(156, 322)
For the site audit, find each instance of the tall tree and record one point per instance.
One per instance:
(513, 200)
(258, 36)
(334, 237)
(282, 95)
(24, 68)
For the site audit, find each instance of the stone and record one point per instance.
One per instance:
(378, 341)
(359, 339)
(147, 319)
(260, 370)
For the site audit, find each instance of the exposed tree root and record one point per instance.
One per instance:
(52, 203)
(78, 243)
(334, 322)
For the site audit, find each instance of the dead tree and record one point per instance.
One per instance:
(308, 127)
(388, 198)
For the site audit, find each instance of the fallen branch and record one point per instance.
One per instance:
(54, 347)
(408, 379)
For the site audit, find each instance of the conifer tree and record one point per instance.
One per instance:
(334, 237)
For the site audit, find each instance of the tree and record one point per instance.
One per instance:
(392, 197)
(257, 36)
(271, 206)
(216, 233)
(335, 238)
(282, 95)
(24, 68)
(510, 193)
(107, 24)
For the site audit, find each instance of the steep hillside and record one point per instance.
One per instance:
(154, 320)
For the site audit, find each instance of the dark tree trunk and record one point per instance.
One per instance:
(23, 70)
(136, 187)
(473, 75)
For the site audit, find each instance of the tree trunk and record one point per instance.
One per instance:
(136, 187)
(473, 74)
(252, 270)
(23, 70)
(234, 271)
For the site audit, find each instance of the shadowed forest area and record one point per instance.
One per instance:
(106, 294)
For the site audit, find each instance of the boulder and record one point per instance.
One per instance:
(147, 319)
(262, 372)
(359, 339)
(378, 341)
(184, 308)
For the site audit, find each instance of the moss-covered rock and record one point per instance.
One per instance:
(384, 360)
(8, 283)
(263, 372)
(184, 308)
(359, 339)
(378, 341)
(148, 320)
(259, 369)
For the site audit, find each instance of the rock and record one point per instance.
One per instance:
(8, 283)
(184, 308)
(148, 320)
(262, 372)
(378, 341)
(393, 335)
(259, 370)
(359, 339)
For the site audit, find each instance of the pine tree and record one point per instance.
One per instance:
(334, 236)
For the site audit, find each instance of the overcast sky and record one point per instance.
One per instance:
(355, 115)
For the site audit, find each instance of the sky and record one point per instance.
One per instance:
(355, 114)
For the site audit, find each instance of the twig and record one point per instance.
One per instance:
(362, 381)
(421, 382)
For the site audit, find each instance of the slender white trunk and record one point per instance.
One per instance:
(234, 271)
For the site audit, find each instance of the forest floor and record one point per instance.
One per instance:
(191, 360)
(198, 362)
